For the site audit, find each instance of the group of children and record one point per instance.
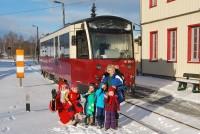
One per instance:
(101, 105)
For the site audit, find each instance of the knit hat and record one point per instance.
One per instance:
(111, 89)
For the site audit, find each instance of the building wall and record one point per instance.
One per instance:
(167, 9)
(162, 67)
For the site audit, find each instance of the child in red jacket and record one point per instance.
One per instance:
(74, 98)
(111, 108)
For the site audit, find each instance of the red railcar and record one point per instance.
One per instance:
(80, 51)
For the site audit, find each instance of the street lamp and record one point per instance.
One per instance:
(63, 10)
(37, 44)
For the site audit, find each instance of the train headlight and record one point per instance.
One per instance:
(98, 67)
(97, 77)
(129, 66)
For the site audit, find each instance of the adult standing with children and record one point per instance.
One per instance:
(111, 78)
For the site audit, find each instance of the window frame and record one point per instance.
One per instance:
(79, 47)
(65, 43)
(151, 59)
(168, 1)
(189, 59)
(151, 3)
(169, 59)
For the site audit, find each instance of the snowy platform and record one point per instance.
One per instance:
(169, 87)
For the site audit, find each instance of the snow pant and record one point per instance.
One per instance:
(100, 116)
(110, 120)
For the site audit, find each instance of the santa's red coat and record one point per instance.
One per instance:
(66, 111)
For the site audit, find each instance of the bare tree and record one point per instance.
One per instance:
(12, 41)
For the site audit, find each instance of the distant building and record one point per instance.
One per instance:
(170, 37)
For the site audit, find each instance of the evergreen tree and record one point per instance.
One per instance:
(93, 10)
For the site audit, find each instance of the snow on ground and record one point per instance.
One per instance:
(15, 120)
(190, 120)
(169, 87)
(164, 125)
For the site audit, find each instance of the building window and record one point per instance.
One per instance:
(194, 43)
(154, 46)
(172, 45)
(152, 3)
(170, 0)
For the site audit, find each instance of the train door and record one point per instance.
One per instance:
(82, 55)
(82, 45)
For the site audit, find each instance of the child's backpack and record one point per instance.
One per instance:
(120, 93)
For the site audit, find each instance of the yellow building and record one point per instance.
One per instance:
(170, 37)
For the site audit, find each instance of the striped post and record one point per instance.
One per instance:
(20, 64)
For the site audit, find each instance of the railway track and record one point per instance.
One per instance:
(167, 101)
(162, 115)
(156, 129)
(144, 124)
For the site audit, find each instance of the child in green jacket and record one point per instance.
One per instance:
(89, 105)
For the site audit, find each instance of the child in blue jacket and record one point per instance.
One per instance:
(99, 95)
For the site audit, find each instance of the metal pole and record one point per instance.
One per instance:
(63, 7)
(28, 106)
(20, 82)
(35, 50)
(63, 10)
(37, 47)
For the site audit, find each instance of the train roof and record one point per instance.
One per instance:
(88, 20)
(99, 17)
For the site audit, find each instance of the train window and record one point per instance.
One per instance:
(56, 46)
(111, 38)
(50, 48)
(82, 44)
(73, 40)
(64, 45)
(42, 49)
(47, 48)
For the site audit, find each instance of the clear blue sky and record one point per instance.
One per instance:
(20, 15)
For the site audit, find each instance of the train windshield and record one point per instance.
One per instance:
(111, 38)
